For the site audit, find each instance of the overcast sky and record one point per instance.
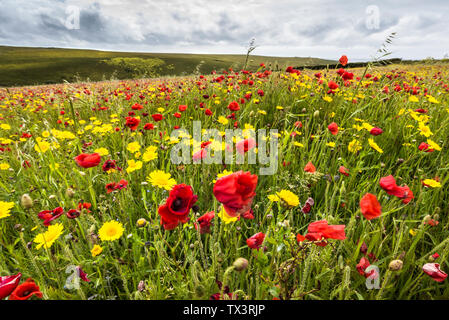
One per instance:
(317, 28)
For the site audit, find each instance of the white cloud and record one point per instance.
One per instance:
(321, 28)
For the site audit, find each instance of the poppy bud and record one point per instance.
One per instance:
(316, 114)
(69, 193)
(240, 264)
(26, 201)
(343, 188)
(395, 265)
(141, 286)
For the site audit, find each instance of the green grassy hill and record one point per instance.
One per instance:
(21, 66)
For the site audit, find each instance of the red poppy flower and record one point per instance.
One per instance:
(300, 238)
(433, 270)
(205, 222)
(244, 146)
(320, 230)
(236, 192)
(137, 106)
(343, 170)
(82, 274)
(148, 126)
(50, 215)
(248, 214)
(84, 206)
(110, 187)
(132, 123)
(177, 115)
(308, 206)
(234, 106)
(376, 131)
(109, 165)
(333, 128)
(8, 284)
(182, 108)
(121, 184)
(177, 206)
(309, 167)
(25, 291)
(256, 240)
(361, 267)
(370, 207)
(343, 60)
(208, 112)
(425, 147)
(86, 160)
(332, 85)
(389, 185)
(157, 117)
(73, 214)
(347, 76)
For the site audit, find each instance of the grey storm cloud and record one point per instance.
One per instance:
(320, 28)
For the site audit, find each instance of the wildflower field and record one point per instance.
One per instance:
(92, 205)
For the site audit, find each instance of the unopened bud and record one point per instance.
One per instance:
(141, 286)
(316, 114)
(26, 201)
(69, 193)
(395, 265)
(240, 264)
(141, 223)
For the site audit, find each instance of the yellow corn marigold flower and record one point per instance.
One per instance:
(374, 145)
(102, 151)
(225, 217)
(297, 144)
(424, 130)
(111, 230)
(4, 166)
(413, 99)
(288, 198)
(5, 209)
(150, 154)
(433, 145)
(161, 179)
(223, 120)
(96, 250)
(42, 146)
(331, 144)
(273, 198)
(432, 183)
(47, 238)
(133, 147)
(134, 165)
(354, 146)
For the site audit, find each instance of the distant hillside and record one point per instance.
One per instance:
(31, 66)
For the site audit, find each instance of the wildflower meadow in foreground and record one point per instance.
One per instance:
(332, 184)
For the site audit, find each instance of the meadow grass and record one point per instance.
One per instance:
(184, 264)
